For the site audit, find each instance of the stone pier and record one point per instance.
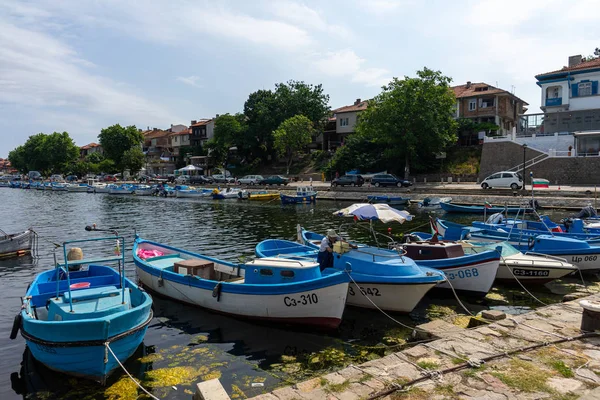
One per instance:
(566, 370)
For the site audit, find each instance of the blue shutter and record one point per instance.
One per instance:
(574, 89)
(594, 87)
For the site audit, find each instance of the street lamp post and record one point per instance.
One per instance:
(524, 151)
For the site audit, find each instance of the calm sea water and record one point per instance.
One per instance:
(241, 352)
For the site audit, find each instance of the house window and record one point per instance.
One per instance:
(486, 103)
(472, 105)
(343, 121)
(585, 89)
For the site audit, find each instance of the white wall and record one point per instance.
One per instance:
(351, 122)
(547, 143)
(210, 129)
(575, 103)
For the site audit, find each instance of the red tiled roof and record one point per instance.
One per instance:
(594, 63)
(462, 91)
(153, 134)
(89, 146)
(184, 132)
(361, 106)
(202, 122)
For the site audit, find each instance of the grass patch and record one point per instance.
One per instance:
(411, 394)
(428, 364)
(457, 361)
(562, 368)
(445, 390)
(472, 372)
(323, 382)
(435, 311)
(525, 376)
(337, 387)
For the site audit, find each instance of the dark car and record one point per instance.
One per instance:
(348, 180)
(71, 178)
(274, 180)
(220, 178)
(388, 180)
(200, 180)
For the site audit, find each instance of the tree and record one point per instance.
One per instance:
(411, 119)
(18, 159)
(107, 166)
(293, 134)
(116, 140)
(53, 153)
(228, 130)
(359, 151)
(266, 110)
(94, 158)
(133, 160)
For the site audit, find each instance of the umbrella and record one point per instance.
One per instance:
(370, 212)
(190, 168)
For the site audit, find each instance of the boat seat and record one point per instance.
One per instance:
(164, 262)
(237, 279)
(88, 303)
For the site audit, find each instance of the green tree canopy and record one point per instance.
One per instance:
(94, 158)
(54, 153)
(133, 160)
(411, 119)
(293, 135)
(266, 110)
(228, 130)
(116, 140)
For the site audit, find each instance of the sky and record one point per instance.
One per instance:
(79, 66)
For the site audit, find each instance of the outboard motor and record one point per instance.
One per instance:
(534, 204)
(495, 218)
(587, 212)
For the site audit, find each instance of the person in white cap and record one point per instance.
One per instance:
(325, 256)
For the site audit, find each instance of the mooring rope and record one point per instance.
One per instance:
(128, 374)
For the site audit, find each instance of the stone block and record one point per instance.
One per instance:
(334, 378)
(210, 390)
(591, 395)
(589, 375)
(493, 315)
(564, 385)
(435, 329)
(417, 351)
(308, 385)
(476, 321)
(266, 396)
(287, 393)
(488, 332)
(574, 296)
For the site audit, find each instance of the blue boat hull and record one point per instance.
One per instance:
(458, 208)
(398, 201)
(285, 199)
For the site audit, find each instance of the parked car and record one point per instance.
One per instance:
(34, 175)
(275, 180)
(108, 178)
(71, 178)
(503, 179)
(183, 179)
(348, 180)
(57, 178)
(201, 180)
(220, 178)
(389, 180)
(170, 178)
(250, 180)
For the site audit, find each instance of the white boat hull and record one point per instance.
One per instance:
(474, 279)
(120, 191)
(182, 194)
(389, 297)
(16, 244)
(532, 269)
(143, 192)
(324, 307)
(59, 188)
(77, 189)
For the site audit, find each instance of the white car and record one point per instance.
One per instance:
(503, 179)
(250, 180)
(182, 179)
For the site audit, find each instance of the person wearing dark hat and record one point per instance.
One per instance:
(325, 256)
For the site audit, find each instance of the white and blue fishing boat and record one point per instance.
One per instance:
(380, 279)
(304, 195)
(4, 184)
(121, 189)
(470, 274)
(144, 190)
(78, 187)
(286, 291)
(584, 254)
(571, 227)
(59, 187)
(391, 200)
(78, 321)
(193, 193)
(226, 194)
(431, 203)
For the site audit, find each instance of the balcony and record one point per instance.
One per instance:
(558, 122)
(554, 102)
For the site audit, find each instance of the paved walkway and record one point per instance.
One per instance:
(568, 370)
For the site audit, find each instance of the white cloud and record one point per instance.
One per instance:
(384, 7)
(190, 80)
(304, 16)
(347, 64)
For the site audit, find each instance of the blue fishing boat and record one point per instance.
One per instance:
(534, 228)
(78, 321)
(481, 209)
(380, 279)
(304, 195)
(584, 254)
(471, 274)
(280, 290)
(391, 200)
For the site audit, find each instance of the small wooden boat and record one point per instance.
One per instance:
(433, 202)
(16, 244)
(191, 192)
(391, 200)
(225, 194)
(481, 209)
(77, 187)
(304, 195)
(390, 281)
(77, 322)
(262, 196)
(287, 291)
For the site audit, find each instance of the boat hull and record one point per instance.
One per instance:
(396, 297)
(87, 361)
(120, 191)
(191, 194)
(77, 189)
(474, 279)
(394, 201)
(285, 199)
(17, 244)
(291, 308)
(526, 273)
(474, 209)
